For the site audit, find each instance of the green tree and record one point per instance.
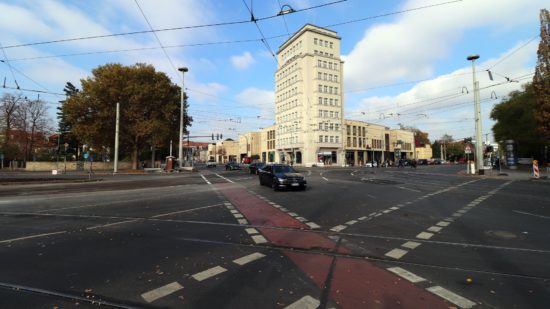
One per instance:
(149, 108)
(64, 126)
(541, 80)
(515, 119)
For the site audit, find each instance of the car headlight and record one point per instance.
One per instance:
(281, 180)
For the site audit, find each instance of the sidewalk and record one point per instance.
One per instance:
(521, 173)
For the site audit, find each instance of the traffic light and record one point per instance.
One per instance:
(212, 136)
(221, 136)
(217, 136)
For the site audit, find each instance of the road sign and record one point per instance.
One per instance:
(468, 149)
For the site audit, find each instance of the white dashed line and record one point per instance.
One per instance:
(394, 208)
(324, 178)
(259, 239)
(249, 258)
(396, 253)
(293, 214)
(362, 218)
(155, 294)
(242, 221)
(406, 274)
(434, 229)
(211, 272)
(411, 244)
(111, 224)
(306, 302)
(252, 231)
(442, 223)
(351, 222)
(451, 297)
(424, 235)
(338, 228)
(313, 225)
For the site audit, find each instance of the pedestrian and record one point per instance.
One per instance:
(413, 163)
(400, 164)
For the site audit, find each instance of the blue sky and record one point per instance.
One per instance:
(405, 61)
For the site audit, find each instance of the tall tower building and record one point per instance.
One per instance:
(309, 98)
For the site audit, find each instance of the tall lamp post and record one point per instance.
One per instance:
(479, 149)
(180, 154)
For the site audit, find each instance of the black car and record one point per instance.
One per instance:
(254, 168)
(232, 165)
(281, 176)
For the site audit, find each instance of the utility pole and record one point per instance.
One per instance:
(479, 138)
(180, 154)
(115, 166)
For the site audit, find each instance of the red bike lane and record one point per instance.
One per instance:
(353, 282)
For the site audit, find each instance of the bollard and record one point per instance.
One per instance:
(536, 169)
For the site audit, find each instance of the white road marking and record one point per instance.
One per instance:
(234, 211)
(259, 239)
(338, 228)
(442, 223)
(451, 297)
(111, 224)
(238, 216)
(378, 215)
(351, 222)
(313, 225)
(293, 214)
(409, 189)
(396, 253)
(362, 218)
(386, 211)
(372, 213)
(249, 258)
(306, 302)
(530, 214)
(277, 206)
(394, 208)
(227, 204)
(252, 231)
(226, 179)
(411, 244)
(301, 219)
(31, 236)
(457, 214)
(424, 235)
(434, 228)
(184, 211)
(406, 274)
(206, 180)
(155, 294)
(242, 221)
(324, 178)
(462, 211)
(211, 272)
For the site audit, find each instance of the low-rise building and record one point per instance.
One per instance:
(424, 151)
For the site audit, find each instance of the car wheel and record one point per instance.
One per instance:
(274, 184)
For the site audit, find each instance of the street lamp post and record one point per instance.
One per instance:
(180, 154)
(479, 149)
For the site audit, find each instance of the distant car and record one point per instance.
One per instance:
(254, 168)
(232, 165)
(210, 163)
(370, 164)
(281, 176)
(422, 162)
(437, 161)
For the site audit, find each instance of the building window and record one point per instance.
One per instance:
(330, 44)
(349, 142)
(320, 100)
(331, 127)
(320, 88)
(320, 138)
(335, 78)
(326, 138)
(320, 42)
(320, 126)
(336, 102)
(315, 52)
(326, 44)
(330, 65)
(320, 113)
(354, 130)
(325, 76)
(324, 64)
(319, 75)
(315, 41)
(325, 114)
(335, 90)
(336, 127)
(332, 139)
(326, 89)
(337, 139)
(355, 142)
(331, 114)
(331, 102)
(326, 126)
(325, 101)
(330, 90)
(319, 63)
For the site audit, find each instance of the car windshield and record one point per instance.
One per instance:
(283, 169)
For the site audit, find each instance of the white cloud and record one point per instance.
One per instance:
(263, 100)
(408, 48)
(243, 61)
(444, 104)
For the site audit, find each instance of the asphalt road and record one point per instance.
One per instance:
(356, 238)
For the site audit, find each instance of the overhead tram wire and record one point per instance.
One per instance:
(284, 18)
(253, 19)
(391, 13)
(237, 22)
(7, 62)
(158, 40)
(25, 75)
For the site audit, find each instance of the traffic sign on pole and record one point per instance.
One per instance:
(468, 149)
